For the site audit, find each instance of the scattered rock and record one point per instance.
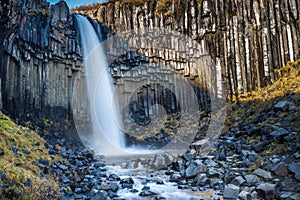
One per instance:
(289, 184)
(25, 151)
(251, 179)
(127, 183)
(14, 150)
(280, 169)
(263, 173)
(201, 180)
(244, 195)
(238, 181)
(28, 182)
(279, 132)
(1, 152)
(194, 168)
(267, 191)
(62, 167)
(147, 193)
(294, 167)
(231, 191)
(43, 162)
(146, 188)
(160, 161)
(294, 197)
(284, 106)
(212, 173)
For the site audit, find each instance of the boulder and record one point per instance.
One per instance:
(194, 168)
(231, 191)
(280, 169)
(267, 190)
(263, 173)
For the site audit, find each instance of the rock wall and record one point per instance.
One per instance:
(248, 39)
(40, 56)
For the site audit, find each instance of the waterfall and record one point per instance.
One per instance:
(106, 137)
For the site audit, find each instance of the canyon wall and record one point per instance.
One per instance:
(40, 56)
(242, 41)
(247, 39)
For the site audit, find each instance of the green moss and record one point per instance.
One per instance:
(19, 166)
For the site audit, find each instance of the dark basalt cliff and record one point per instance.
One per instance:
(39, 57)
(40, 52)
(248, 38)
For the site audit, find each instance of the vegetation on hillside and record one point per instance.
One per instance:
(255, 113)
(23, 156)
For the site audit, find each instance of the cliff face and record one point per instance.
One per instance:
(248, 39)
(40, 56)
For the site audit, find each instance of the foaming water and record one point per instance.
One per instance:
(145, 177)
(106, 137)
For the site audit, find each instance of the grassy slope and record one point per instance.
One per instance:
(19, 167)
(259, 104)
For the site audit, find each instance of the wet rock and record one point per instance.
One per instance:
(284, 195)
(14, 150)
(25, 151)
(194, 168)
(127, 183)
(231, 191)
(147, 194)
(238, 181)
(279, 132)
(183, 187)
(161, 161)
(77, 190)
(51, 151)
(244, 195)
(220, 156)
(104, 186)
(267, 190)
(251, 179)
(175, 177)
(146, 188)
(134, 191)
(1, 152)
(65, 179)
(188, 156)
(294, 197)
(210, 163)
(112, 194)
(201, 179)
(284, 106)
(263, 173)
(289, 184)
(229, 176)
(43, 162)
(28, 182)
(62, 167)
(254, 195)
(212, 173)
(99, 195)
(295, 168)
(280, 169)
(180, 166)
(114, 187)
(113, 177)
(64, 198)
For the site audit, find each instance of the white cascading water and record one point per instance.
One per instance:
(106, 137)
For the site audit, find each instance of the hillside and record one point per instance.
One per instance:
(24, 163)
